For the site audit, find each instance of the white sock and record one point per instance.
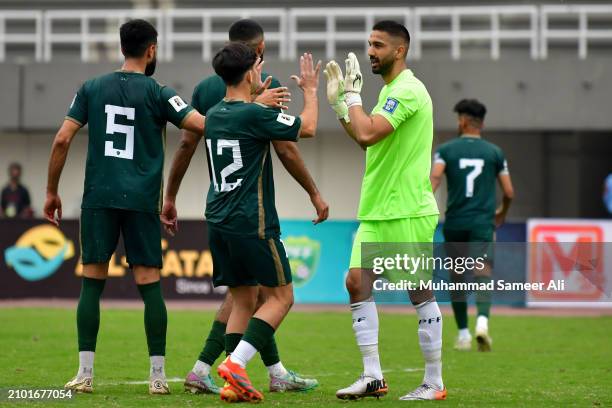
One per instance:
(464, 334)
(482, 322)
(86, 361)
(430, 340)
(243, 353)
(277, 370)
(365, 326)
(157, 367)
(201, 369)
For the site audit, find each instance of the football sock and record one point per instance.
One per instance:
(86, 361)
(482, 322)
(269, 353)
(155, 317)
(483, 297)
(464, 334)
(214, 345)
(88, 313)
(365, 326)
(201, 369)
(256, 336)
(157, 367)
(277, 370)
(231, 342)
(430, 340)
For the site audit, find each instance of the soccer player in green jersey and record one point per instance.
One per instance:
(243, 226)
(127, 112)
(209, 92)
(472, 166)
(397, 203)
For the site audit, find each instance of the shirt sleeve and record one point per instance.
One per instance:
(502, 164)
(439, 156)
(398, 106)
(77, 112)
(174, 109)
(26, 197)
(195, 99)
(269, 124)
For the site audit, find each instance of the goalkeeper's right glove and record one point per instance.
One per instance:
(335, 90)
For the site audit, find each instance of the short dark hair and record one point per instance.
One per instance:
(393, 28)
(136, 36)
(246, 31)
(14, 165)
(471, 107)
(233, 61)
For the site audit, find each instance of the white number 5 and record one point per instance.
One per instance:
(477, 164)
(112, 128)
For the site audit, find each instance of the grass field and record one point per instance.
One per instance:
(537, 361)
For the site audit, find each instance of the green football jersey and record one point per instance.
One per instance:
(241, 195)
(472, 167)
(211, 90)
(396, 182)
(127, 114)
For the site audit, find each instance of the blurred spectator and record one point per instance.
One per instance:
(607, 196)
(15, 197)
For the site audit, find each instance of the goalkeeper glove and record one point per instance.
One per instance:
(353, 81)
(335, 90)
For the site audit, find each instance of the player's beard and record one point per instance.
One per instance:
(384, 65)
(150, 68)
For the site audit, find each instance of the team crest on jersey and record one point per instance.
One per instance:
(285, 119)
(177, 103)
(390, 105)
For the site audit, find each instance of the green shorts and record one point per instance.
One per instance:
(245, 261)
(141, 231)
(400, 231)
(481, 238)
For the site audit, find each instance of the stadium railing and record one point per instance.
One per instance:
(535, 27)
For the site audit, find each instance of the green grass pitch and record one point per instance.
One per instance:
(536, 361)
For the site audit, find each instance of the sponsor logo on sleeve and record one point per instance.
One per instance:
(285, 119)
(390, 105)
(177, 103)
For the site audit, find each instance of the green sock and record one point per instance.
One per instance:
(460, 308)
(231, 342)
(215, 343)
(88, 313)
(269, 354)
(155, 317)
(258, 333)
(483, 298)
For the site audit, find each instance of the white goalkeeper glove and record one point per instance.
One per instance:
(335, 90)
(353, 81)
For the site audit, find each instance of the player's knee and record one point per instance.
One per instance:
(144, 275)
(353, 283)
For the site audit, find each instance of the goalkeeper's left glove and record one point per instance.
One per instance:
(353, 81)
(335, 90)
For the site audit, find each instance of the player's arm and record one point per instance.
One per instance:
(437, 171)
(308, 82)
(59, 152)
(290, 156)
(503, 178)
(180, 163)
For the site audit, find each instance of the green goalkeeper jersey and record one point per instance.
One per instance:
(127, 114)
(471, 167)
(241, 195)
(396, 182)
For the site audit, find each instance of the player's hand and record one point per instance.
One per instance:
(500, 217)
(168, 217)
(353, 80)
(257, 69)
(322, 208)
(274, 98)
(53, 204)
(309, 74)
(335, 89)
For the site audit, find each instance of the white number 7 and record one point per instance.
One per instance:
(477, 164)
(112, 128)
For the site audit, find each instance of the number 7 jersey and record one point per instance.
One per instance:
(241, 195)
(127, 114)
(471, 167)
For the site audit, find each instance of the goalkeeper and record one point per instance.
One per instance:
(397, 202)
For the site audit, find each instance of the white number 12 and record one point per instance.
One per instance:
(229, 169)
(477, 164)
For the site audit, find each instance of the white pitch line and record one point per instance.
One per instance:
(144, 382)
